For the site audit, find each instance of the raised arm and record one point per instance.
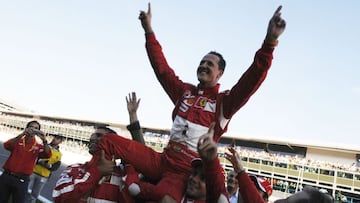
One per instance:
(134, 126)
(168, 79)
(47, 151)
(207, 148)
(235, 159)
(145, 18)
(214, 174)
(132, 106)
(9, 145)
(247, 188)
(254, 76)
(276, 27)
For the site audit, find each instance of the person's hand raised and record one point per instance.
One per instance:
(235, 159)
(132, 102)
(40, 134)
(145, 18)
(33, 132)
(276, 26)
(207, 147)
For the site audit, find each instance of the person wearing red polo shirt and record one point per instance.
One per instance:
(20, 164)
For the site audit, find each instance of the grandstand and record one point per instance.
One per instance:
(8, 106)
(289, 166)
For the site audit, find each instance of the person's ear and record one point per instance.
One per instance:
(220, 74)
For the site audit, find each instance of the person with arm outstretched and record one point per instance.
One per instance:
(196, 107)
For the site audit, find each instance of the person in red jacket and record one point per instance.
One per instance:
(196, 106)
(99, 180)
(19, 166)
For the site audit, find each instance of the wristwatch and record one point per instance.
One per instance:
(243, 171)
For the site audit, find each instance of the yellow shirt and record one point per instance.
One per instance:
(43, 171)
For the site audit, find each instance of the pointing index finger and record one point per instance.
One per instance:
(211, 129)
(149, 8)
(277, 12)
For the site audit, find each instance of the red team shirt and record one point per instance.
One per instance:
(80, 183)
(23, 156)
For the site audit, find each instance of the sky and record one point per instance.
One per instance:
(80, 59)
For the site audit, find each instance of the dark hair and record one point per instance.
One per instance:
(31, 122)
(106, 129)
(222, 62)
(59, 136)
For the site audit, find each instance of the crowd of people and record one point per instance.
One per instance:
(291, 161)
(298, 160)
(187, 170)
(160, 141)
(289, 187)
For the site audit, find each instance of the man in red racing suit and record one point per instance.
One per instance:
(196, 106)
